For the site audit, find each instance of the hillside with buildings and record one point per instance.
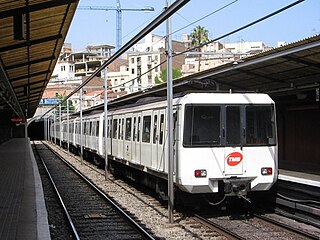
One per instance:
(140, 68)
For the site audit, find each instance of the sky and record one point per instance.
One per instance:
(90, 27)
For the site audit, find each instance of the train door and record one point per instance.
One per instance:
(136, 149)
(233, 155)
(154, 139)
(109, 135)
(134, 137)
(146, 146)
(115, 130)
(121, 138)
(128, 137)
(158, 154)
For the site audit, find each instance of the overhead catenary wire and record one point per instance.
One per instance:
(243, 27)
(183, 52)
(198, 20)
(218, 38)
(156, 22)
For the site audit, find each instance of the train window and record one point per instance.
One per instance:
(103, 132)
(121, 129)
(115, 128)
(260, 125)
(97, 128)
(202, 126)
(161, 128)
(134, 129)
(128, 129)
(146, 129)
(139, 121)
(89, 128)
(110, 128)
(233, 125)
(155, 121)
(93, 130)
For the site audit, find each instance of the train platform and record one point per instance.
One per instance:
(299, 177)
(23, 214)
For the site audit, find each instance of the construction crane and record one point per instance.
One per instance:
(118, 10)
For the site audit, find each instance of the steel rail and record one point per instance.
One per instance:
(74, 230)
(286, 226)
(141, 230)
(221, 230)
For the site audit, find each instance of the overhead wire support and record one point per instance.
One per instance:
(243, 27)
(151, 26)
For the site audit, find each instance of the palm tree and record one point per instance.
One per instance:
(199, 35)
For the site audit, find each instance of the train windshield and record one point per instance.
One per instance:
(234, 125)
(202, 126)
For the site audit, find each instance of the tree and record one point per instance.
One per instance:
(176, 73)
(199, 36)
(61, 97)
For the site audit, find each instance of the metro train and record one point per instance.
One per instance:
(225, 144)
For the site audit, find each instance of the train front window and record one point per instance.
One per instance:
(202, 126)
(233, 125)
(260, 125)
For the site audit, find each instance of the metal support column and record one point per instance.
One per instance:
(68, 130)
(48, 129)
(106, 123)
(60, 126)
(170, 119)
(81, 128)
(45, 129)
(54, 127)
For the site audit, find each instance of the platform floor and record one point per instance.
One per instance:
(22, 208)
(299, 177)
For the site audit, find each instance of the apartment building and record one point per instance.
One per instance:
(145, 61)
(217, 53)
(72, 65)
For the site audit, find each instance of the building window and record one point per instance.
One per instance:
(132, 60)
(132, 70)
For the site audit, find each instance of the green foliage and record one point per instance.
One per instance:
(176, 73)
(157, 80)
(199, 35)
(61, 97)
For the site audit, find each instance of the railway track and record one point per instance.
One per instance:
(221, 227)
(253, 228)
(91, 214)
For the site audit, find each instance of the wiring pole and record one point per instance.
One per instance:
(54, 126)
(106, 123)
(170, 119)
(45, 129)
(68, 127)
(60, 126)
(81, 128)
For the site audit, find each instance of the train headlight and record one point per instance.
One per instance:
(200, 173)
(266, 171)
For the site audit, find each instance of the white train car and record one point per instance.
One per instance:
(224, 143)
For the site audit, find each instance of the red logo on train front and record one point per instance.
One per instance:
(234, 159)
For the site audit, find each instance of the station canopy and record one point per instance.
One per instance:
(31, 37)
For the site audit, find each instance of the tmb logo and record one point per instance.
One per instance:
(234, 158)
